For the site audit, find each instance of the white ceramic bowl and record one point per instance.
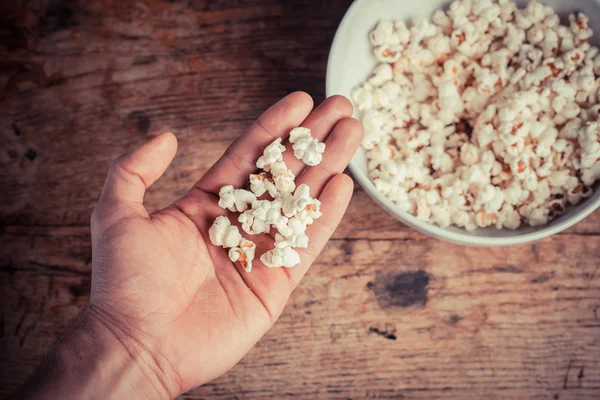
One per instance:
(351, 62)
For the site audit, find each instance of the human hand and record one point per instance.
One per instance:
(164, 290)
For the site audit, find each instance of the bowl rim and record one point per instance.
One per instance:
(460, 236)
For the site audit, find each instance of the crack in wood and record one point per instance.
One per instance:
(229, 83)
(16, 129)
(545, 277)
(566, 378)
(48, 267)
(580, 375)
(512, 269)
(383, 333)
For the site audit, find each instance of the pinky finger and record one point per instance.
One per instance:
(334, 198)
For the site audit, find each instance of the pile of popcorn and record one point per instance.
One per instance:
(288, 208)
(486, 116)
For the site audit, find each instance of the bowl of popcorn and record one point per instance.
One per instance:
(481, 117)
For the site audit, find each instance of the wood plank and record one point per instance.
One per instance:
(373, 319)
(384, 313)
(116, 75)
(70, 194)
(85, 82)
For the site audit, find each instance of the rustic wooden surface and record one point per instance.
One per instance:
(384, 313)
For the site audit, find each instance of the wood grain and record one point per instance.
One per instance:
(373, 319)
(385, 312)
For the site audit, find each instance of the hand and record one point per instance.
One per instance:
(161, 287)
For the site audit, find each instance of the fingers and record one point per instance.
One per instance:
(273, 286)
(132, 173)
(239, 159)
(321, 122)
(334, 200)
(341, 145)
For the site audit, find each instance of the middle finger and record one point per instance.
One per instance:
(321, 122)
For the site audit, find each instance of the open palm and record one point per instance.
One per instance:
(158, 281)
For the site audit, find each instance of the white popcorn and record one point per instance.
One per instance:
(520, 166)
(299, 132)
(301, 205)
(449, 97)
(306, 148)
(273, 153)
(279, 181)
(570, 111)
(362, 97)
(251, 225)
(280, 257)
(271, 213)
(381, 74)
(440, 19)
(283, 178)
(469, 154)
(222, 233)
(403, 32)
(531, 182)
(235, 200)
(514, 194)
(254, 221)
(571, 129)
(387, 53)
(509, 217)
(486, 118)
(579, 26)
(591, 175)
(296, 236)
(514, 38)
(535, 35)
(537, 216)
(578, 193)
(261, 183)
(550, 43)
(586, 83)
(441, 216)
(244, 254)
(439, 46)
(542, 192)
(464, 220)
(382, 33)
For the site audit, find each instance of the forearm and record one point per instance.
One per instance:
(91, 361)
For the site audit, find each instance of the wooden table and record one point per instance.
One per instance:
(384, 313)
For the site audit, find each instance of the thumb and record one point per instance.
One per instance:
(132, 173)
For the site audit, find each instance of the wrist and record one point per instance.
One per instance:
(96, 359)
(141, 372)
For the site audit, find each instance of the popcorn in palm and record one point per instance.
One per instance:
(293, 233)
(244, 254)
(283, 178)
(222, 233)
(290, 211)
(302, 205)
(262, 183)
(484, 107)
(235, 200)
(306, 148)
(273, 153)
(254, 220)
(280, 257)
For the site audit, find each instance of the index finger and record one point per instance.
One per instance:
(239, 160)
